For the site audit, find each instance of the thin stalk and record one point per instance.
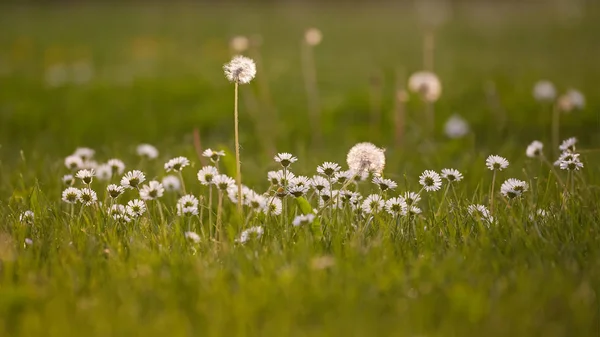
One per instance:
(160, 212)
(492, 193)
(547, 162)
(210, 224)
(219, 213)
(312, 94)
(428, 50)
(238, 176)
(182, 182)
(443, 199)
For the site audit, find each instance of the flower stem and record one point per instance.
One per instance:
(210, 224)
(238, 176)
(219, 211)
(182, 182)
(492, 193)
(443, 199)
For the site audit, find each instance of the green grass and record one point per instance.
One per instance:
(455, 276)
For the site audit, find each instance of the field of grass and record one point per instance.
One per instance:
(112, 77)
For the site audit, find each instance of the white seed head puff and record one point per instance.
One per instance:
(240, 69)
(366, 157)
(427, 84)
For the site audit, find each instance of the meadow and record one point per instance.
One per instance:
(333, 261)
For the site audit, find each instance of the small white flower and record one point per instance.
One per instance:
(136, 208)
(171, 183)
(298, 190)
(28, 241)
(356, 202)
(373, 204)
(456, 127)
(147, 151)
(280, 178)
(273, 206)
(133, 179)
(192, 236)
(319, 183)
(85, 153)
(86, 176)
(187, 205)
(412, 211)
(366, 157)
(240, 69)
(176, 164)
(330, 198)
(577, 99)
(152, 191)
(396, 206)
(570, 162)
(534, 149)
(341, 177)
(87, 196)
(207, 174)
(544, 91)
(300, 181)
(223, 182)
(451, 175)
(252, 232)
(68, 179)
(328, 169)
(384, 184)
(89, 164)
(70, 195)
(426, 84)
(213, 155)
(513, 188)
(27, 217)
(114, 191)
(285, 159)
(430, 180)
(411, 198)
(303, 219)
(232, 193)
(496, 163)
(313, 36)
(104, 172)
(239, 43)
(117, 166)
(568, 145)
(256, 201)
(119, 213)
(74, 162)
(480, 213)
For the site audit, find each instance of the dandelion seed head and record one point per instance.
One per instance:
(366, 157)
(535, 149)
(456, 127)
(240, 69)
(147, 151)
(426, 84)
(544, 91)
(496, 163)
(430, 180)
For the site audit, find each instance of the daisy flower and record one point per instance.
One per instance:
(213, 155)
(373, 204)
(571, 164)
(513, 188)
(207, 174)
(256, 201)
(496, 163)
(232, 193)
(384, 184)
(240, 70)
(176, 164)
(430, 180)
(153, 190)
(147, 151)
(119, 213)
(192, 236)
(136, 208)
(412, 211)
(426, 84)
(298, 190)
(285, 159)
(85, 153)
(396, 206)
(89, 164)
(356, 202)
(252, 232)
(302, 219)
(328, 169)
(86, 176)
(342, 177)
(87, 196)
(480, 212)
(411, 198)
(73, 162)
(133, 179)
(104, 172)
(70, 195)
(171, 183)
(534, 149)
(366, 157)
(273, 207)
(223, 182)
(451, 175)
(27, 217)
(456, 127)
(568, 145)
(187, 205)
(280, 178)
(114, 191)
(319, 183)
(544, 91)
(68, 179)
(327, 201)
(117, 166)
(300, 181)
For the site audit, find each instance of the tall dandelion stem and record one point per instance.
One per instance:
(238, 175)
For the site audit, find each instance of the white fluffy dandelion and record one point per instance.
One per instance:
(426, 84)
(452, 175)
(384, 184)
(373, 204)
(285, 159)
(214, 156)
(430, 180)
(70, 195)
(27, 217)
(73, 162)
(456, 127)
(496, 163)
(240, 70)
(568, 145)
(577, 98)
(171, 183)
(152, 191)
(136, 208)
(534, 149)
(513, 188)
(250, 233)
(86, 176)
(133, 179)
(147, 151)
(87, 197)
(544, 91)
(207, 174)
(366, 157)
(177, 164)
